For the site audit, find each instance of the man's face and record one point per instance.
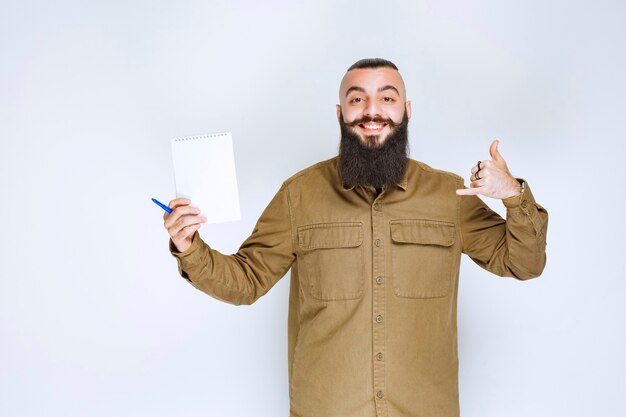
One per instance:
(372, 103)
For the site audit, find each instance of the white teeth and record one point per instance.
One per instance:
(372, 127)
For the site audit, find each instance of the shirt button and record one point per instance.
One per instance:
(376, 206)
(379, 280)
(377, 242)
(379, 356)
(379, 319)
(379, 394)
(524, 203)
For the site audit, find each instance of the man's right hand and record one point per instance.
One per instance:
(182, 222)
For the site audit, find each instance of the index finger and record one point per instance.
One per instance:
(177, 202)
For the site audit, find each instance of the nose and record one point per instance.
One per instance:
(372, 109)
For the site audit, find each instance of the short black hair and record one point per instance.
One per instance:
(372, 63)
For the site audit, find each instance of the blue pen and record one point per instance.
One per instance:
(163, 206)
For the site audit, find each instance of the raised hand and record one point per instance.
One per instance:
(182, 222)
(492, 178)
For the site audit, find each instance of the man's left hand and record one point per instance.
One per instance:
(493, 179)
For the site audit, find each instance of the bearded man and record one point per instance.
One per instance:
(374, 241)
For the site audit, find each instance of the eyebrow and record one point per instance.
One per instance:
(389, 87)
(381, 89)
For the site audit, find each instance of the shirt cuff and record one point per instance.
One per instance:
(521, 200)
(195, 244)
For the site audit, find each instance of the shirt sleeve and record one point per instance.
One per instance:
(243, 277)
(512, 248)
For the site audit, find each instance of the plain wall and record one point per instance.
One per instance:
(94, 318)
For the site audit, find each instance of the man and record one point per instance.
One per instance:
(374, 242)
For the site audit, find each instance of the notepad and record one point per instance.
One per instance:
(204, 172)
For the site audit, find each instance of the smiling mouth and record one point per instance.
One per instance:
(372, 128)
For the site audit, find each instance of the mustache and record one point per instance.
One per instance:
(367, 119)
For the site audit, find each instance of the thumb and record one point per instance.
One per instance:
(496, 156)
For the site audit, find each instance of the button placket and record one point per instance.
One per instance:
(378, 305)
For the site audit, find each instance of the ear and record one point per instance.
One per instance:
(407, 105)
(339, 113)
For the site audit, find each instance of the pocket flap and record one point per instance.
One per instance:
(330, 235)
(425, 232)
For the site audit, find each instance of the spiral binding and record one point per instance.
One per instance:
(196, 137)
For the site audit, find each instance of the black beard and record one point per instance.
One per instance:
(370, 163)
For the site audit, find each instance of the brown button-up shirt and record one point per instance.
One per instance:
(372, 326)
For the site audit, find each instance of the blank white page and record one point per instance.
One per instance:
(204, 172)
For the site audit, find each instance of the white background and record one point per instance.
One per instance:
(96, 321)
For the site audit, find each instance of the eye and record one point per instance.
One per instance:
(356, 100)
(388, 99)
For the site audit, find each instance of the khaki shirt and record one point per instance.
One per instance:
(372, 325)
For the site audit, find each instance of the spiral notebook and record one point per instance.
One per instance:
(204, 172)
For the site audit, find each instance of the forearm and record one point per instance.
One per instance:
(514, 247)
(526, 230)
(218, 275)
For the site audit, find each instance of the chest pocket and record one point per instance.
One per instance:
(331, 260)
(421, 258)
